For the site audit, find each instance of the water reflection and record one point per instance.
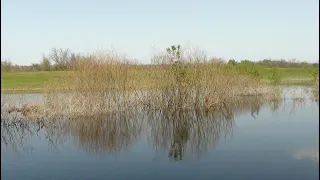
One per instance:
(14, 133)
(180, 134)
(105, 134)
(180, 131)
(310, 153)
(192, 133)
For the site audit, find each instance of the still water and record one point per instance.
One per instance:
(254, 140)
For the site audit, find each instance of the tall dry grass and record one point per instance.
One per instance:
(193, 82)
(100, 83)
(106, 82)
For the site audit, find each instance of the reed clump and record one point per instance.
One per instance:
(101, 83)
(105, 82)
(188, 80)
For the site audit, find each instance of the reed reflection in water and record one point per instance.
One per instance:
(192, 133)
(178, 133)
(105, 134)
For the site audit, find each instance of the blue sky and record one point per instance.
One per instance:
(247, 29)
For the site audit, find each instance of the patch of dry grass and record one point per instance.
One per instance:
(316, 87)
(106, 82)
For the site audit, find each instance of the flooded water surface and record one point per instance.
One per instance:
(248, 140)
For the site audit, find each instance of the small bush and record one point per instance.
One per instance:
(275, 78)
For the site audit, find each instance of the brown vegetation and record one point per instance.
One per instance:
(105, 82)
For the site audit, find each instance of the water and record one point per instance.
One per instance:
(259, 141)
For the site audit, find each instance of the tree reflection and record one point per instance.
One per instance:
(184, 133)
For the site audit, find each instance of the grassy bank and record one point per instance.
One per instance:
(21, 82)
(27, 81)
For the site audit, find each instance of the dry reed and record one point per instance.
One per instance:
(105, 82)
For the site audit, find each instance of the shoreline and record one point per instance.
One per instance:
(285, 82)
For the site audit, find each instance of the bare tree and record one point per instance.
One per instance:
(60, 57)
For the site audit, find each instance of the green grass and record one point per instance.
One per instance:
(290, 76)
(288, 73)
(35, 81)
(26, 80)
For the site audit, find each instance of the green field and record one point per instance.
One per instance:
(26, 81)
(35, 81)
(291, 76)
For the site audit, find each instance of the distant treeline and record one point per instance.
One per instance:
(64, 59)
(277, 63)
